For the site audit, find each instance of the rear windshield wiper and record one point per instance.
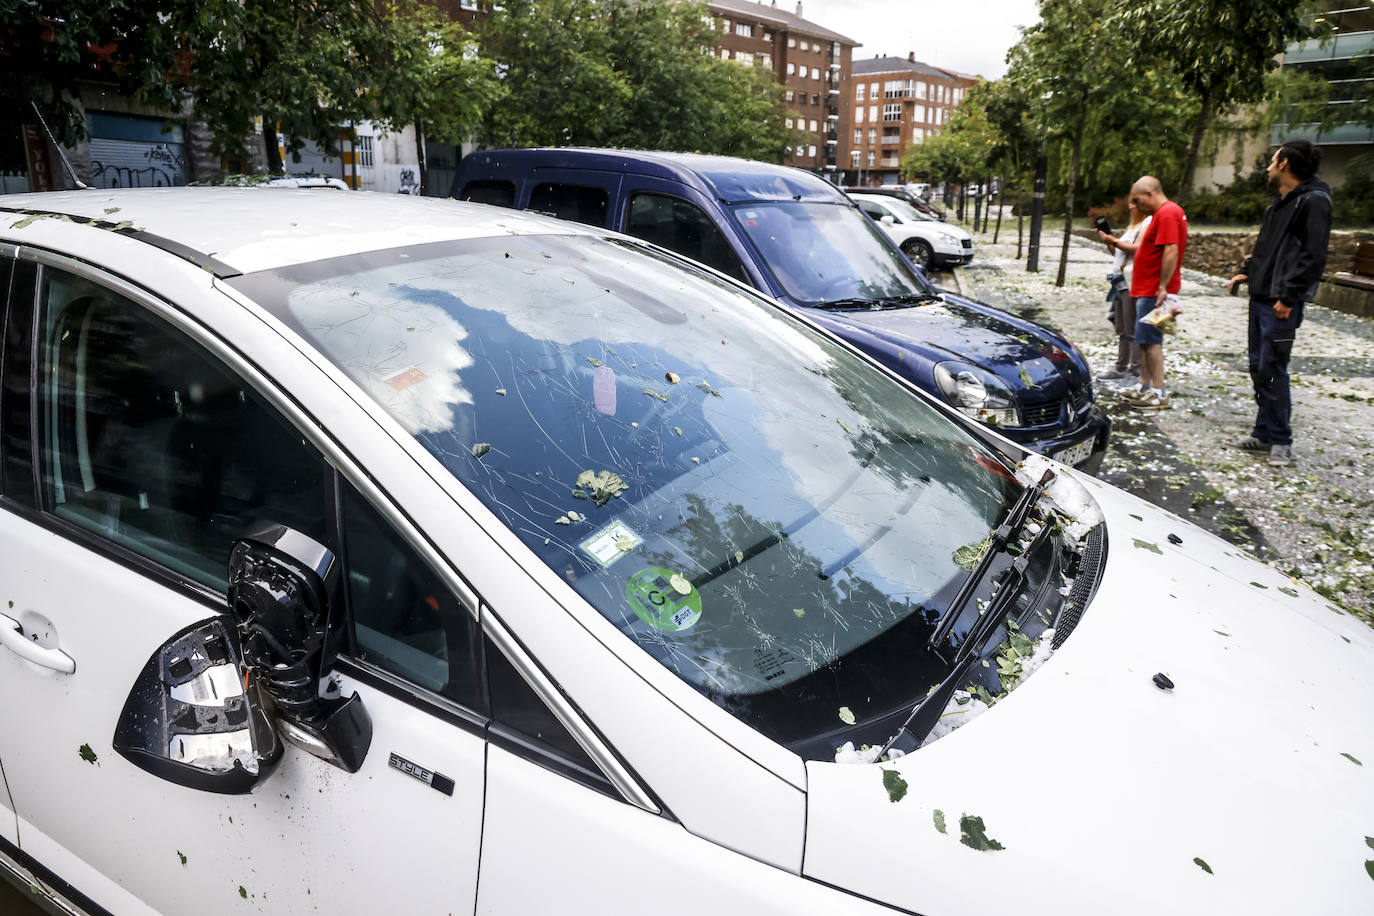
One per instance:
(998, 541)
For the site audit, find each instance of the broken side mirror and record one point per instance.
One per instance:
(282, 591)
(190, 718)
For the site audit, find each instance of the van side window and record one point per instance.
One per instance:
(405, 619)
(569, 201)
(523, 724)
(151, 442)
(496, 193)
(680, 226)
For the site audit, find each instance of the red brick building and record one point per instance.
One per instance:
(811, 61)
(892, 101)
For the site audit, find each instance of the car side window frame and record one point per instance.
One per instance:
(738, 272)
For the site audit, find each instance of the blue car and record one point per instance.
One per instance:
(800, 240)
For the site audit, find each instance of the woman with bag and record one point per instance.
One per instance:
(1123, 306)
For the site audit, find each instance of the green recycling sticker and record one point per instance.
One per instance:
(664, 599)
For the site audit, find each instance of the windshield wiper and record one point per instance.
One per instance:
(846, 304)
(998, 541)
(915, 298)
(927, 713)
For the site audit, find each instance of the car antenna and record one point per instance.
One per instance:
(80, 185)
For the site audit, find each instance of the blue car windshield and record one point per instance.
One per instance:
(820, 253)
(766, 514)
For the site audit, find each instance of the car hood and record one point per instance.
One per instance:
(956, 330)
(1106, 791)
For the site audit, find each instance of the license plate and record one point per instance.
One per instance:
(1074, 453)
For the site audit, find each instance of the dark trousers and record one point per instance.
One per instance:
(1127, 350)
(1271, 345)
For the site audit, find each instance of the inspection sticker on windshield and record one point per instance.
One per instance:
(611, 543)
(659, 599)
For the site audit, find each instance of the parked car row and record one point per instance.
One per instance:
(373, 554)
(798, 239)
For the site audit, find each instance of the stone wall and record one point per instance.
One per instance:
(1221, 253)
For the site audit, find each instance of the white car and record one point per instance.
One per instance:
(928, 242)
(372, 554)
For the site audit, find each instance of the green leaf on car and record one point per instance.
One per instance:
(847, 715)
(1026, 379)
(1292, 593)
(1258, 585)
(182, 856)
(1351, 759)
(895, 785)
(88, 755)
(1147, 545)
(480, 449)
(973, 834)
(1202, 865)
(939, 818)
(967, 557)
(654, 394)
(594, 361)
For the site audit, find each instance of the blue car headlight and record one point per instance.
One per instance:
(978, 393)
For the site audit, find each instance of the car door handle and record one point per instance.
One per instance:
(12, 637)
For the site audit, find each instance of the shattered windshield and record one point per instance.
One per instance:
(822, 252)
(765, 514)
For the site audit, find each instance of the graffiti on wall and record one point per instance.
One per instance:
(164, 166)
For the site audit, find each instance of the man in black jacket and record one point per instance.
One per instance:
(1283, 273)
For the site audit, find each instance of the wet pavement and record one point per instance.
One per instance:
(1309, 520)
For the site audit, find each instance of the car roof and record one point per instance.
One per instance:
(724, 177)
(233, 231)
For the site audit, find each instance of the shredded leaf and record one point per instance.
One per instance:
(1292, 593)
(480, 449)
(88, 755)
(799, 612)
(1026, 379)
(895, 785)
(182, 856)
(1351, 759)
(1202, 865)
(672, 378)
(939, 818)
(1258, 585)
(1147, 545)
(967, 557)
(501, 391)
(847, 715)
(680, 584)
(654, 394)
(594, 361)
(973, 834)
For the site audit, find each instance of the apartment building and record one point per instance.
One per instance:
(894, 101)
(811, 62)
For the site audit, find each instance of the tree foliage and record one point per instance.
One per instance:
(629, 73)
(47, 48)
(1220, 50)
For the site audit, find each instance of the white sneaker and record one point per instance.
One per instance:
(1132, 392)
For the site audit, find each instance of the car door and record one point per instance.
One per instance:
(129, 470)
(9, 825)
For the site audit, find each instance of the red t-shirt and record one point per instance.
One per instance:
(1169, 226)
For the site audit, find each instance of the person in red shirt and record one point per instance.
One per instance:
(1156, 281)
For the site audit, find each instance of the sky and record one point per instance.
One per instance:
(971, 36)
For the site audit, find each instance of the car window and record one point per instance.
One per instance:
(567, 201)
(149, 441)
(681, 226)
(490, 191)
(405, 619)
(872, 209)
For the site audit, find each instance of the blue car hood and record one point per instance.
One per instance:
(959, 330)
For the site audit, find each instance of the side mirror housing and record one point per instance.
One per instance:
(282, 588)
(889, 219)
(191, 720)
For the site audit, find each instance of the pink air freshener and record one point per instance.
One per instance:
(603, 390)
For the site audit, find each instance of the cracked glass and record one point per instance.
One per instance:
(766, 514)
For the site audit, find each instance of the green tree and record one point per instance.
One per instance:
(1220, 50)
(48, 47)
(1067, 65)
(301, 67)
(629, 73)
(426, 73)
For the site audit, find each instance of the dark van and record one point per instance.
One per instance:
(800, 240)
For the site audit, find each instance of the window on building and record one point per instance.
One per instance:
(801, 151)
(858, 136)
(363, 144)
(791, 68)
(859, 92)
(804, 46)
(744, 59)
(918, 113)
(768, 35)
(764, 61)
(788, 122)
(918, 135)
(811, 151)
(871, 158)
(791, 42)
(744, 30)
(892, 112)
(872, 90)
(789, 95)
(815, 99)
(873, 135)
(725, 25)
(813, 124)
(859, 115)
(921, 89)
(873, 110)
(724, 53)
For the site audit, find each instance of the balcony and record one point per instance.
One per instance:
(1342, 46)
